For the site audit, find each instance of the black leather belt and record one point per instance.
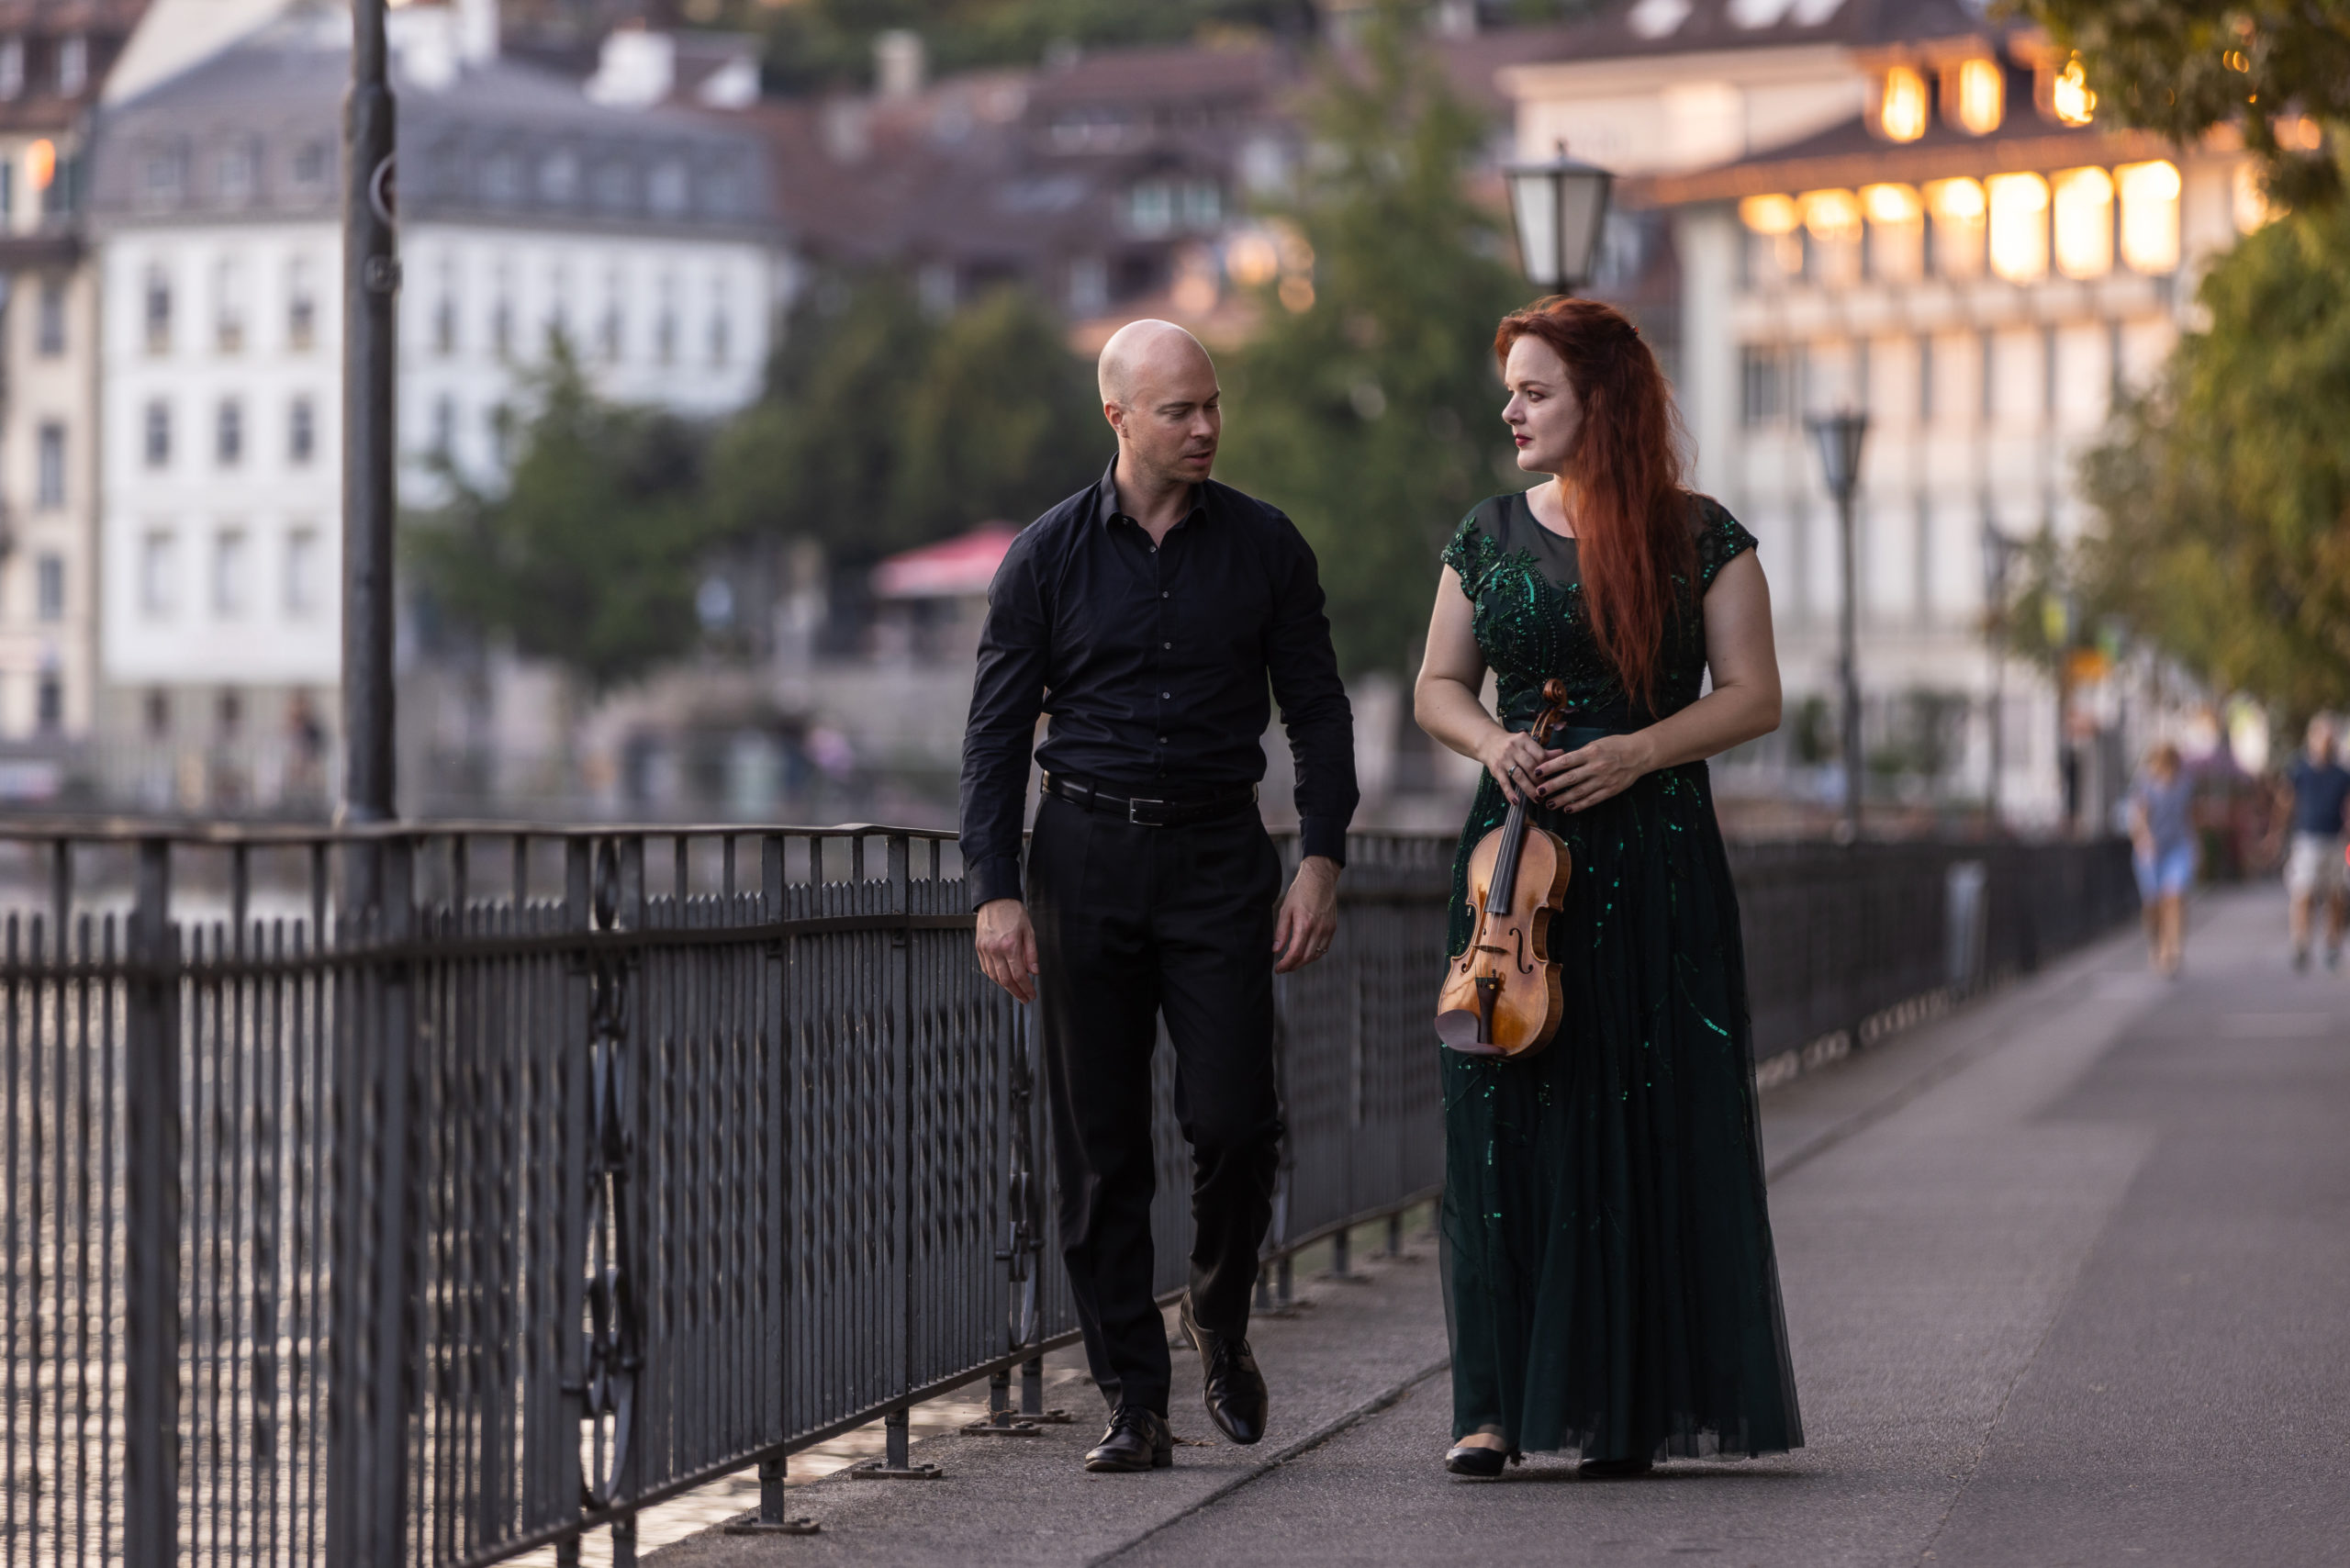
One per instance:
(1145, 812)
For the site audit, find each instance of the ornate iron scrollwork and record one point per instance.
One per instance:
(615, 1325)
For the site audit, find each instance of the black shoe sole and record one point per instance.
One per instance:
(1157, 1462)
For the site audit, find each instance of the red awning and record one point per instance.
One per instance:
(959, 568)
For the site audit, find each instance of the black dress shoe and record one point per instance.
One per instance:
(1475, 1458)
(1614, 1469)
(1138, 1439)
(1237, 1403)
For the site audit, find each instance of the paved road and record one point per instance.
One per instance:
(2068, 1280)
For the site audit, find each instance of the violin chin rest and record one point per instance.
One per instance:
(1458, 1029)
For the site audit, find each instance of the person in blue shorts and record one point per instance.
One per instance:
(2162, 831)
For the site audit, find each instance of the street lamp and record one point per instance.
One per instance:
(1559, 208)
(1999, 553)
(1839, 436)
(371, 280)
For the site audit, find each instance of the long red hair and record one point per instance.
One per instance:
(1631, 506)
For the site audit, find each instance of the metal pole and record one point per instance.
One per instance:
(1849, 669)
(152, 1408)
(371, 285)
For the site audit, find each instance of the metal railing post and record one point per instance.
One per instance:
(151, 1064)
(370, 1361)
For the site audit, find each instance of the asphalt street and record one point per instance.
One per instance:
(2068, 1276)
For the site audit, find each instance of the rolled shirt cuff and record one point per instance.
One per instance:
(1323, 835)
(997, 876)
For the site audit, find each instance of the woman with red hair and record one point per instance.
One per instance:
(1608, 1248)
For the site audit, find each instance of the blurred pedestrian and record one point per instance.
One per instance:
(2313, 856)
(2162, 835)
(1159, 607)
(1607, 1246)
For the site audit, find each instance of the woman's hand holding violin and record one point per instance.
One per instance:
(1565, 781)
(1515, 762)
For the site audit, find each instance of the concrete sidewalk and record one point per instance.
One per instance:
(2065, 1273)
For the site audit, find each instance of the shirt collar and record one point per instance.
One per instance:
(1106, 497)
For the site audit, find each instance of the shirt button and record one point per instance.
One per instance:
(1165, 696)
(1162, 740)
(1165, 644)
(1162, 593)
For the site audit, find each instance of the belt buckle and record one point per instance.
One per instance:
(1132, 803)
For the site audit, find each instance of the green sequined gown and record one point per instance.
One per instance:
(1608, 1266)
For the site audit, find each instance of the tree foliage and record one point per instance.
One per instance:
(588, 556)
(1370, 417)
(2183, 66)
(883, 429)
(2225, 492)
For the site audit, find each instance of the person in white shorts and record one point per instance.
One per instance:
(2313, 860)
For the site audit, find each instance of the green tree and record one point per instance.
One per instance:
(1371, 416)
(2225, 492)
(2183, 66)
(882, 428)
(589, 555)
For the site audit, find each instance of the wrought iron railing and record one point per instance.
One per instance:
(425, 1195)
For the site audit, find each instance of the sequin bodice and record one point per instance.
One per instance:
(1530, 622)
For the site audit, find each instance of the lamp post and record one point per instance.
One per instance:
(1559, 208)
(1999, 553)
(371, 278)
(1839, 436)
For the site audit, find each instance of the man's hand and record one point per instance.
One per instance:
(1309, 914)
(1007, 946)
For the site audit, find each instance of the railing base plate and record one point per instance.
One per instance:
(879, 1470)
(751, 1524)
(1008, 1427)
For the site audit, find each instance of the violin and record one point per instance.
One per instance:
(1501, 997)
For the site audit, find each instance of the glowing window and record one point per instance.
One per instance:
(1831, 215)
(2149, 214)
(2069, 96)
(2249, 200)
(1978, 91)
(2018, 206)
(1773, 215)
(1901, 110)
(1897, 233)
(1958, 208)
(1892, 204)
(2083, 199)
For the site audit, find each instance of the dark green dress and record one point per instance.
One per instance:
(1608, 1265)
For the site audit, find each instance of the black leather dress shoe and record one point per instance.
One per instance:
(1615, 1469)
(1237, 1402)
(1477, 1459)
(1138, 1439)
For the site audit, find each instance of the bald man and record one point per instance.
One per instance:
(1148, 614)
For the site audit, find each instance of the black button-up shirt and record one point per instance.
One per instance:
(1153, 661)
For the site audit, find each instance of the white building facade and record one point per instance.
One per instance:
(642, 236)
(1905, 211)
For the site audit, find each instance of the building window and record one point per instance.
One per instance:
(48, 483)
(302, 573)
(49, 705)
(158, 708)
(301, 432)
(665, 324)
(301, 303)
(1977, 93)
(1157, 206)
(229, 306)
(228, 568)
(559, 300)
(73, 65)
(159, 310)
(665, 192)
(228, 714)
(158, 445)
(2019, 205)
(1762, 381)
(1988, 361)
(165, 177)
(228, 433)
(613, 331)
(2084, 207)
(444, 425)
(559, 179)
(1896, 247)
(1901, 105)
(2149, 214)
(158, 574)
(720, 327)
(49, 587)
(48, 326)
(1925, 379)
(12, 68)
(311, 160)
(238, 175)
(444, 312)
(501, 435)
(502, 182)
(1957, 208)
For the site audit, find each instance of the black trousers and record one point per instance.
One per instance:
(1133, 922)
